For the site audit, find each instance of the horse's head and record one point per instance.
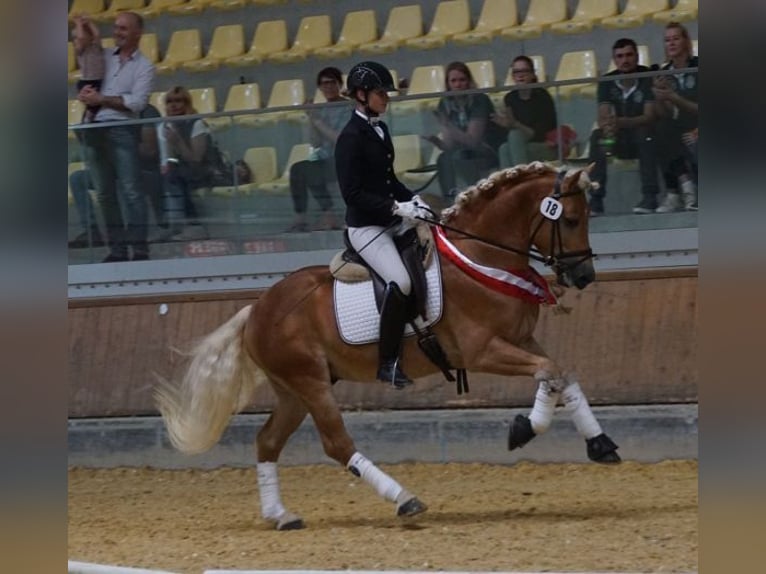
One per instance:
(532, 211)
(561, 231)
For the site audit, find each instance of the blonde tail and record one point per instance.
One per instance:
(219, 382)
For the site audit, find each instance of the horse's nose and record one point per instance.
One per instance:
(584, 275)
(582, 281)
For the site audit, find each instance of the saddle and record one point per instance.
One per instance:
(416, 249)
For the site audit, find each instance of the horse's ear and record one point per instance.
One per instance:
(590, 167)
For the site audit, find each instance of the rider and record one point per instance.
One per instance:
(378, 206)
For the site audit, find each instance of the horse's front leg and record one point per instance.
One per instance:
(600, 447)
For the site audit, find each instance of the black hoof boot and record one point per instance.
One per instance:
(411, 507)
(602, 449)
(520, 432)
(389, 372)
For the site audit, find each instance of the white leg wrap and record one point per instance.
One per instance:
(268, 488)
(544, 407)
(579, 409)
(383, 484)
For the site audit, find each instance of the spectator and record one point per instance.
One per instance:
(90, 58)
(625, 116)
(464, 138)
(244, 173)
(111, 153)
(676, 97)
(184, 147)
(529, 116)
(80, 182)
(314, 173)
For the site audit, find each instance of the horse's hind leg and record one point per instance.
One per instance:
(283, 422)
(338, 445)
(600, 447)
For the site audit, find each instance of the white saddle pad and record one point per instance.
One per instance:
(357, 315)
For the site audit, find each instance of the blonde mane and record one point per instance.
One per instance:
(489, 185)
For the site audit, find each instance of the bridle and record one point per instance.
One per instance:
(558, 259)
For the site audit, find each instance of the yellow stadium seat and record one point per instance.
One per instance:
(149, 47)
(72, 70)
(408, 153)
(539, 63)
(421, 178)
(184, 46)
(683, 10)
(635, 13)
(313, 32)
(203, 100)
(228, 42)
(299, 152)
(541, 14)
(291, 92)
(89, 7)
(587, 15)
(268, 2)
(156, 7)
(228, 4)
(270, 37)
(243, 97)
(108, 42)
(188, 7)
(75, 110)
(574, 66)
(117, 6)
(359, 27)
(483, 72)
(424, 80)
(695, 47)
(404, 23)
(262, 162)
(644, 58)
(495, 15)
(451, 17)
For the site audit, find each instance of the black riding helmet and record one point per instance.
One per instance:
(369, 76)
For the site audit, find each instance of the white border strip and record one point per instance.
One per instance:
(75, 567)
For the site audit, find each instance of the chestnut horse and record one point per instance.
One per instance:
(289, 338)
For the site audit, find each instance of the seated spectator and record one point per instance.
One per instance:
(625, 127)
(469, 150)
(244, 173)
(676, 98)
(314, 173)
(529, 116)
(183, 163)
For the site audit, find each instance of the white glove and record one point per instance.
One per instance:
(421, 203)
(411, 210)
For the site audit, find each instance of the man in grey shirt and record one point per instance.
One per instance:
(111, 153)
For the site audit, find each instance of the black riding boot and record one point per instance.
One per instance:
(393, 317)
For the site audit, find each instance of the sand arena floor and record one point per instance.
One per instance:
(530, 517)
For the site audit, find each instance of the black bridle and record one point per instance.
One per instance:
(558, 259)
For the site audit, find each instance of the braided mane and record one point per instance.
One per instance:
(489, 186)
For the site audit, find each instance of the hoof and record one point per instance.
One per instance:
(410, 505)
(290, 521)
(603, 450)
(520, 432)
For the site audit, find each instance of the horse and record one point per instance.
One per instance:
(289, 338)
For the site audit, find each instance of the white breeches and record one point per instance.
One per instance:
(376, 246)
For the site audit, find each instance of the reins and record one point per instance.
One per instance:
(554, 259)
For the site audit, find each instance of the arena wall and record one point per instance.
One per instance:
(631, 338)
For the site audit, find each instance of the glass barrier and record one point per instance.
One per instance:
(269, 184)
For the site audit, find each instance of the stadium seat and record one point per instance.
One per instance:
(695, 48)
(228, 4)
(268, 2)
(424, 80)
(495, 15)
(156, 7)
(541, 14)
(313, 32)
(270, 37)
(683, 10)
(635, 13)
(418, 179)
(184, 46)
(291, 92)
(587, 14)
(189, 7)
(359, 27)
(228, 42)
(243, 97)
(408, 153)
(262, 162)
(483, 72)
(117, 6)
(299, 152)
(451, 17)
(75, 110)
(573, 66)
(404, 23)
(157, 99)
(72, 70)
(89, 7)
(644, 58)
(149, 47)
